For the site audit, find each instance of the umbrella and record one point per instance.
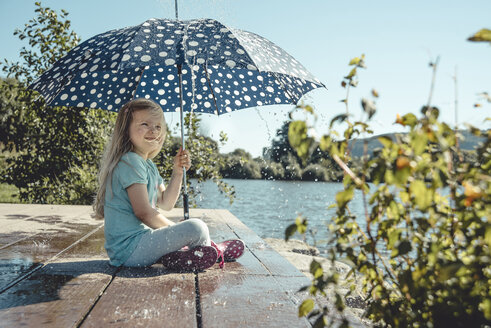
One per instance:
(196, 65)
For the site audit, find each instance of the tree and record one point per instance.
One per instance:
(240, 165)
(280, 146)
(57, 150)
(204, 152)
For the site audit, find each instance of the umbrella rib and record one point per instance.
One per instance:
(283, 87)
(137, 84)
(68, 77)
(211, 89)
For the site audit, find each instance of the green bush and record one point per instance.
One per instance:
(272, 171)
(423, 251)
(240, 168)
(315, 172)
(292, 168)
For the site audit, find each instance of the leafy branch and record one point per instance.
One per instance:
(427, 228)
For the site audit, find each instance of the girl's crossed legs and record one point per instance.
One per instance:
(156, 243)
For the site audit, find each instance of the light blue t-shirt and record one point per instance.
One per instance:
(122, 228)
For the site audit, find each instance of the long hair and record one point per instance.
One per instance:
(119, 145)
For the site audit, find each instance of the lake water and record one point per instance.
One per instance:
(268, 207)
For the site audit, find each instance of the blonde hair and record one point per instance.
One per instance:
(119, 145)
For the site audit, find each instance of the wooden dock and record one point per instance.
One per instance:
(54, 272)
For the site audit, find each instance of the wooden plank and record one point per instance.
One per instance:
(259, 257)
(26, 256)
(11, 214)
(62, 292)
(11, 210)
(147, 297)
(247, 263)
(42, 232)
(273, 262)
(8, 239)
(236, 300)
(252, 292)
(246, 297)
(283, 280)
(42, 218)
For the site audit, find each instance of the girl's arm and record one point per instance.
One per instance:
(168, 196)
(138, 196)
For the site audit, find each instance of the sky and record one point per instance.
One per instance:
(399, 40)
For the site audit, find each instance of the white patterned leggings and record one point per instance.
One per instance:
(156, 243)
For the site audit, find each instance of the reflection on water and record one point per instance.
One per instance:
(268, 207)
(11, 268)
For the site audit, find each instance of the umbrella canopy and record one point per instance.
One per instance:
(196, 65)
(223, 69)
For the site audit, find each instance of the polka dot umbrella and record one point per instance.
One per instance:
(196, 65)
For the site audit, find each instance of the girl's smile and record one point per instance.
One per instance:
(147, 132)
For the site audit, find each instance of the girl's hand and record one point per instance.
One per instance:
(181, 160)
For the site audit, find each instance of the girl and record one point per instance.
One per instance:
(131, 188)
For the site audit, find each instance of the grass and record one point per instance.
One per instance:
(8, 193)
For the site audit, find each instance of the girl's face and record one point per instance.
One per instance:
(147, 132)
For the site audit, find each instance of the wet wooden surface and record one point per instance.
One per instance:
(54, 272)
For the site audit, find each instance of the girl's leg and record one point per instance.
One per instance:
(156, 243)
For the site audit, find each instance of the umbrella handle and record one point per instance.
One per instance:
(186, 206)
(185, 203)
(185, 186)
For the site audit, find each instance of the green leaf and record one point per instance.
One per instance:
(306, 307)
(339, 303)
(409, 119)
(385, 141)
(487, 235)
(404, 247)
(343, 197)
(316, 269)
(419, 142)
(485, 307)
(338, 118)
(393, 237)
(290, 230)
(448, 271)
(354, 61)
(325, 143)
(301, 224)
(404, 197)
(298, 139)
(422, 196)
(309, 109)
(351, 74)
(483, 35)
(297, 131)
(401, 176)
(320, 322)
